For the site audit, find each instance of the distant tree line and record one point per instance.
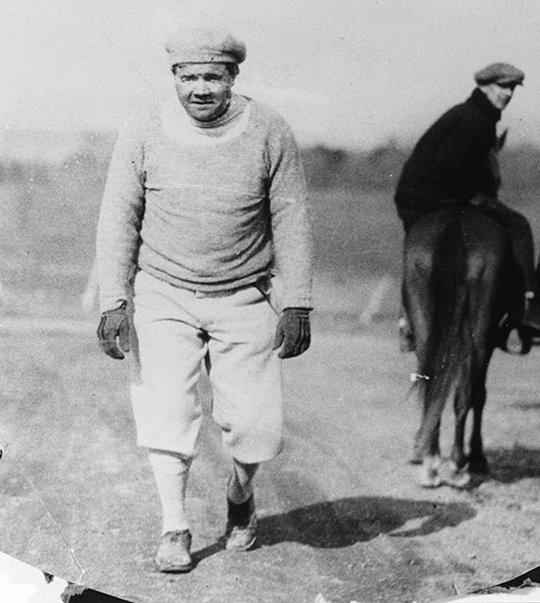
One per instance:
(379, 168)
(326, 168)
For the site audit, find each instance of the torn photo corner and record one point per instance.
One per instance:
(23, 583)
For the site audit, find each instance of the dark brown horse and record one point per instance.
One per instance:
(458, 284)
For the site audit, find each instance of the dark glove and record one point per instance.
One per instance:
(114, 324)
(294, 332)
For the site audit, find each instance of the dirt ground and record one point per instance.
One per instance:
(341, 514)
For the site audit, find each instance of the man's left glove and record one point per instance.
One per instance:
(114, 324)
(294, 332)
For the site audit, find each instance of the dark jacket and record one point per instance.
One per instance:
(452, 159)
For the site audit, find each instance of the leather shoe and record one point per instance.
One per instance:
(173, 554)
(241, 532)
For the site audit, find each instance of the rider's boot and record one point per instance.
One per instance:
(531, 314)
(516, 330)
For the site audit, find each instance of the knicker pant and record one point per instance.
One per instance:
(232, 332)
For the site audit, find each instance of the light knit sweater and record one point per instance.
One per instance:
(205, 208)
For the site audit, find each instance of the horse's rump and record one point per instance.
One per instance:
(456, 262)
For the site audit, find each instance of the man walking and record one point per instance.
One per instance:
(205, 195)
(455, 162)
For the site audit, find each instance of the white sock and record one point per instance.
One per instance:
(171, 471)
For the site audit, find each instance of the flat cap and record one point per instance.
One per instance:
(499, 73)
(202, 45)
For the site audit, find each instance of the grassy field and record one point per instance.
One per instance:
(44, 266)
(47, 249)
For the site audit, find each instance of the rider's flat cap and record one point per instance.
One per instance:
(499, 73)
(203, 45)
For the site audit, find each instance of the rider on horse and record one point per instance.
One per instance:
(455, 163)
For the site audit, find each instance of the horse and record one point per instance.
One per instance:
(459, 281)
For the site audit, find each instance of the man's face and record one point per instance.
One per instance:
(204, 89)
(499, 95)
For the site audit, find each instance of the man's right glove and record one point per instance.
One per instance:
(294, 332)
(114, 324)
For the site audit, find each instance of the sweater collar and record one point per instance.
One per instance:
(480, 100)
(178, 125)
(236, 107)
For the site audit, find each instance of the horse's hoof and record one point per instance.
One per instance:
(432, 481)
(455, 476)
(429, 472)
(429, 478)
(460, 480)
(415, 459)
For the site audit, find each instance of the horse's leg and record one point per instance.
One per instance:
(483, 302)
(457, 474)
(477, 459)
(427, 440)
(484, 337)
(426, 450)
(461, 410)
(419, 391)
(431, 457)
(462, 404)
(423, 400)
(471, 394)
(418, 264)
(416, 455)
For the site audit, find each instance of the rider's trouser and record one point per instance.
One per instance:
(522, 242)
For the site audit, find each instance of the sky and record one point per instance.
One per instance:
(344, 73)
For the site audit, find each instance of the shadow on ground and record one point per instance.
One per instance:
(533, 405)
(344, 522)
(509, 465)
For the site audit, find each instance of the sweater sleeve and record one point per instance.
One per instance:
(291, 229)
(120, 218)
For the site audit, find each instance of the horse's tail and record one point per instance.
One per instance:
(445, 361)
